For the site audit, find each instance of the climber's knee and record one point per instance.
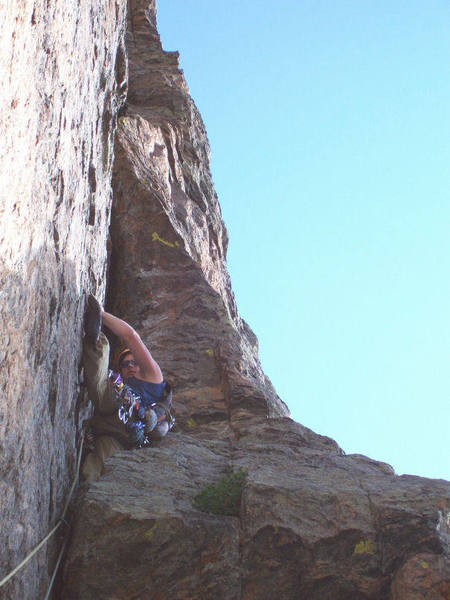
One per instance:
(160, 431)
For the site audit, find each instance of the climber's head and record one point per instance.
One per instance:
(128, 367)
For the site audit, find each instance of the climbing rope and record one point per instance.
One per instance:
(61, 521)
(55, 571)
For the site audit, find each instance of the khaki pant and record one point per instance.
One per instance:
(102, 395)
(105, 446)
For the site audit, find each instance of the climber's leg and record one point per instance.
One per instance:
(160, 431)
(105, 446)
(96, 369)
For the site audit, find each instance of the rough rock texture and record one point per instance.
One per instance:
(314, 524)
(63, 79)
(168, 271)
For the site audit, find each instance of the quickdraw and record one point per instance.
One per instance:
(131, 411)
(139, 420)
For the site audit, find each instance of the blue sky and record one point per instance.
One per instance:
(329, 125)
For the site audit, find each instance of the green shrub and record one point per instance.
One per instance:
(224, 497)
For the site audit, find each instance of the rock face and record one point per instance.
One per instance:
(168, 272)
(313, 523)
(63, 80)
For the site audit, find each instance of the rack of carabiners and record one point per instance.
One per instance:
(131, 411)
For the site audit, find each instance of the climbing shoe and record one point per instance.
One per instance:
(93, 320)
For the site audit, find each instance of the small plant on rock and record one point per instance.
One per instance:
(224, 497)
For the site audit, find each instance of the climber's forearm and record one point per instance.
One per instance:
(119, 327)
(150, 369)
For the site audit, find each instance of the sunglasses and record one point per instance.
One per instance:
(128, 363)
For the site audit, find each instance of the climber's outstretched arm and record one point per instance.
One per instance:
(149, 368)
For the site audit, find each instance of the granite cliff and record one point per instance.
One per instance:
(313, 522)
(64, 79)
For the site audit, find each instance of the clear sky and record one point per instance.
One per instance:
(329, 125)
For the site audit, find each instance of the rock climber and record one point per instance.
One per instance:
(141, 374)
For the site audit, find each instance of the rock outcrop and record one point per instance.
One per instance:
(64, 78)
(168, 272)
(313, 523)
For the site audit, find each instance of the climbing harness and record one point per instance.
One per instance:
(131, 412)
(61, 521)
(140, 418)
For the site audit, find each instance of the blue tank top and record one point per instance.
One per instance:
(148, 391)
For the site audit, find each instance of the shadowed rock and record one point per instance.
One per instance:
(63, 81)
